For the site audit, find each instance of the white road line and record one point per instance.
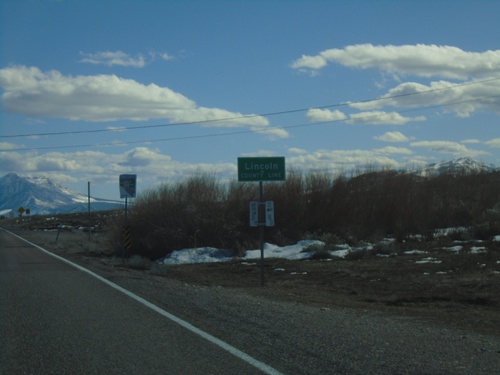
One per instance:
(214, 340)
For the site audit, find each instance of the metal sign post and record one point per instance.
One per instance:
(261, 169)
(127, 190)
(261, 236)
(89, 217)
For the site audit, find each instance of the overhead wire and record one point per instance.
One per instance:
(253, 130)
(269, 114)
(246, 131)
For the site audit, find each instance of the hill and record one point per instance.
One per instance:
(41, 195)
(463, 165)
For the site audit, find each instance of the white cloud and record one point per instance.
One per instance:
(390, 150)
(392, 137)
(447, 147)
(479, 71)
(461, 99)
(370, 117)
(296, 150)
(142, 157)
(12, 161)
(111, 58)
(116, 128)
(272, 133)
(161, 55)
(420, 60)
(119, 58)
(340, 161)
(149, 163)
(495, 142)
(7, 146)
(311, 62)
(470, 141)
(32, 92)
(318, 114)
(381, 118)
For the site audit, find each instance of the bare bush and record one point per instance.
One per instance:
(203, 211)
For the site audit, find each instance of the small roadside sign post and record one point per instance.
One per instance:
(254, 214)
(261, 169)
(269, 214)
(127, 190)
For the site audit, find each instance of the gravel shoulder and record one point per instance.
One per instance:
(309, 326)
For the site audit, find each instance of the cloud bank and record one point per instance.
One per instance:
(478, 74)
(420, 60)
(119, 58)
(103, 98)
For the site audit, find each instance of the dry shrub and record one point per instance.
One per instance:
(203, 211)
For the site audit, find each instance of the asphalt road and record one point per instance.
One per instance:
(58, 319)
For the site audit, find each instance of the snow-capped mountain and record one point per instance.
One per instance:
(462, 165)
(42, 196)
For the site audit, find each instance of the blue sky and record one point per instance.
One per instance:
(164, 89)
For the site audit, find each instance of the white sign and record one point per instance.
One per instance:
(127, 185)
(269, 214)
(254, 213)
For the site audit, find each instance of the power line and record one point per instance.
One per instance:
(242, 117)
(239, 132)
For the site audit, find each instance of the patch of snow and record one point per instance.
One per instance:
(289, 252)
(388, 240)
(391, 255)
(417, 237)
(210, 254)
(196, 255)
(455, 249)
(340, 253)
(292, 252)
(428, 260)
(8, 210)
(477, 249)
(443, 232)
(412, 252)
(496, 238)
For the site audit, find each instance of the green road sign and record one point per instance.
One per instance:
(261, 169)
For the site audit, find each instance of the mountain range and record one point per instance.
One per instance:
(40, 195)
(463, 165)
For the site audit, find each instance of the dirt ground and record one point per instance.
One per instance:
(461, 289)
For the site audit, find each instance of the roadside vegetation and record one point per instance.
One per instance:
(391, 241)
(203, 211)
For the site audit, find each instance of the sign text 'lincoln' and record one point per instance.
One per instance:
(261, 169)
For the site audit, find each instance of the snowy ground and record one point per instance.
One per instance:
(294, 252)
